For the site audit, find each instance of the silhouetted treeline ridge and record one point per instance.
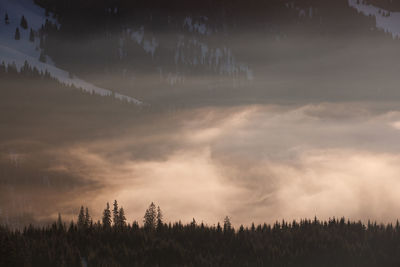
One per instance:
(114, 242)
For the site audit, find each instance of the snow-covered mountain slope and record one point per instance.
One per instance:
(385, 20)
(19, 51)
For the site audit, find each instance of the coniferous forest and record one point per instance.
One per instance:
(115, 242)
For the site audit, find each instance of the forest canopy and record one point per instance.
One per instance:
(116, 242)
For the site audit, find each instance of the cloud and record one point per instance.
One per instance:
(253, 163)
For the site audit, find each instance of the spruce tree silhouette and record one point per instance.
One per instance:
(121, 218)
(150, 217)
(115, 213)
(227, 224)
(107, 217)
(88, 220)
(159, 218)
(81, 218)
(60, 224)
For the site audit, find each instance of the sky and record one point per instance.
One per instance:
(310, 128)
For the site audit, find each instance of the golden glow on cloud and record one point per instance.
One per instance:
(254, 164)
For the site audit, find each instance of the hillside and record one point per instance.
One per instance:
(28, 47)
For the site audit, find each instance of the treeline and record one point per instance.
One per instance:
(11, 73)
(114, 242)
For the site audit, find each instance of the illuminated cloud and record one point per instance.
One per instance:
(255, 163)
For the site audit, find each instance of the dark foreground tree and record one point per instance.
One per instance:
(107, 217)
(115, 212)
(159, 218)
(88, 219)
(81, 218)
(150, 217)
(121, 221)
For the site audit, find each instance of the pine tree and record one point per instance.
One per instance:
(121, 218)
(17, 35)
(60, 224)
(107, 217)
(6, 19)
(24, 23)
(115, 212)
(31, 36)
(219, 229)
(135, 225)
(159, 218)
(193, 223)
(81, 218)
(150, 216)
(88, 220)
(227, 224)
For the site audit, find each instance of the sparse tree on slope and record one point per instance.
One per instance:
(17, 35)
(24, 23)
(7, 19)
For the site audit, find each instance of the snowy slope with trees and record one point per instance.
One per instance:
(20, 42)
(385, 20)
